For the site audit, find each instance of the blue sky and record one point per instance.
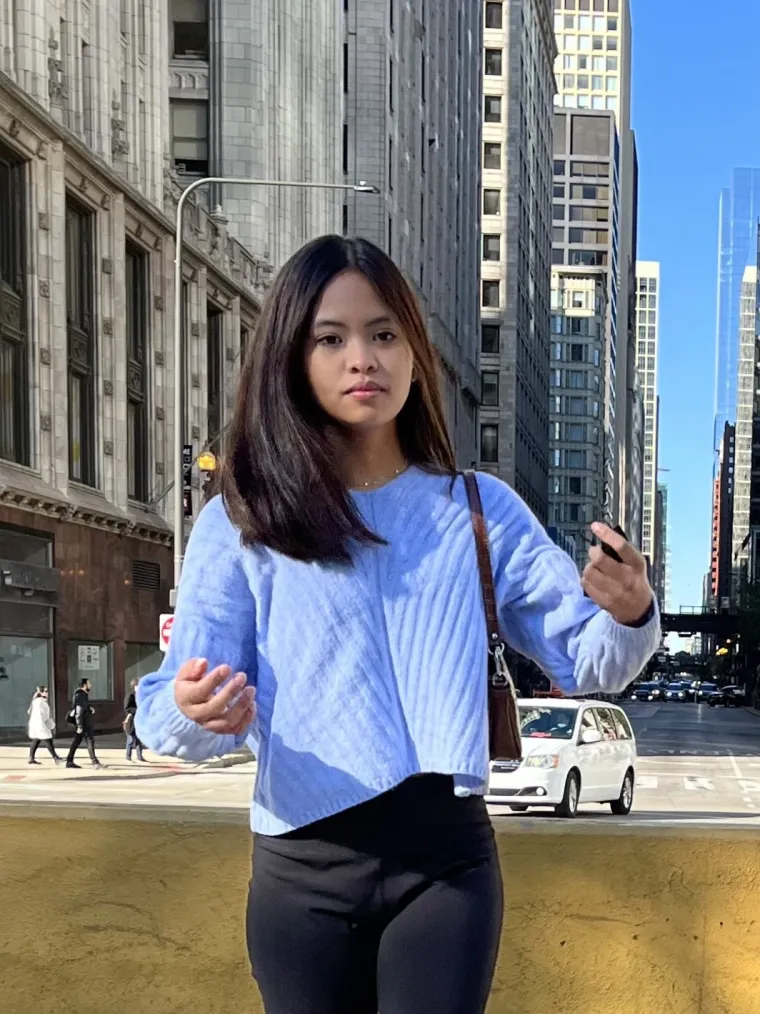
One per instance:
(696, 110)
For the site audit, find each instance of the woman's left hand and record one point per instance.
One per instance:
(622, 589)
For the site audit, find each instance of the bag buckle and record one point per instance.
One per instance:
(502, 678)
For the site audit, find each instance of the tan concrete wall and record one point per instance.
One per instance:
(112, 915)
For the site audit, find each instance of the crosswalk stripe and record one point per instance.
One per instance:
(647, 782)
(694, 784)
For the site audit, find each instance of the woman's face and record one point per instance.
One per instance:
(358, 361)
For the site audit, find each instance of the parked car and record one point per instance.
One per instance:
(573, 752)
(728, 697)
(648, 692)
(675, 692)
(704, 691)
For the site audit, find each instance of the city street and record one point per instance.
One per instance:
(696, 764)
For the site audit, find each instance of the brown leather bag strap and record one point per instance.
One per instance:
(484, 560)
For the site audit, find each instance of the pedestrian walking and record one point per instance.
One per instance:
(354, 581)
(81, 717)
(130, 710)
(41, 726)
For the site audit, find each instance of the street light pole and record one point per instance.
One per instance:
(179, 378)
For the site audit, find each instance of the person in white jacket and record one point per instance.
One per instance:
(41, 725)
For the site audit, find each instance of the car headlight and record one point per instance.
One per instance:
(542, 760)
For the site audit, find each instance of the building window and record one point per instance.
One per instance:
(489, 338)
(137, 381)
(575, 459)
(492, 105)
(493, 62)
(189, 29)
(494, 15)
(245, 340)
(489, 388)
(576, 353)
(491, 155)
(489, 443)
(390, 159)
(390, 85)
(492, 247)
(14, 340)
(92, 661)
(214, 375)
(490, 294)
(491, 202)
(390, 236)
(575, 485)
(80, 270)
(190, 137)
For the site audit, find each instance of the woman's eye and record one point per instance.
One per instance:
(385, 336)
(328, 339)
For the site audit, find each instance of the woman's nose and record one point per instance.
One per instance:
(361, 356)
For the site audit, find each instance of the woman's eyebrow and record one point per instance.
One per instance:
(324, 322)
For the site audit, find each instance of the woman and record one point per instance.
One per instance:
(41, 726)
(336, 578)
(130, 710)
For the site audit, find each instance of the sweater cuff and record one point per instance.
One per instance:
(176, 735)
(643, 620)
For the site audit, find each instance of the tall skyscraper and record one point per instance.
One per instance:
(722, 519)
(255, 91)
(586, 214)
(519, 51)
(660, 570)
(578, 465)
(737, 248)
(593, 72)
(747, 406)
(647, 347)
(412, 96)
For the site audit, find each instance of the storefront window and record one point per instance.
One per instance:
(24, 548)
(24, 665)
(93, 661)
(139, 660)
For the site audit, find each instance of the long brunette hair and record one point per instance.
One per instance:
(280, 477)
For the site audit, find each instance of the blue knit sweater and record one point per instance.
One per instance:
(369, 674)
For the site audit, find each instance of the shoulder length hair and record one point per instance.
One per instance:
(280, 477)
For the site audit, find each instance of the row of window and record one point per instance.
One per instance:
(597, 64)
(570, 42)
(569, 100)
(585, 23)
(580, 258)
(573, 405)
(575, 432)
(573, 352)
(579, 380)
(585, 170)
(647, 284)
(574, 485)
(585, 327)
(82, 345)
(565, 457)
(593, 82)
(603, 6)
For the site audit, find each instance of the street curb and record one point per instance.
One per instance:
(752, 711)
(231, 760)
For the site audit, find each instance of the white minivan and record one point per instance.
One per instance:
(574, 751)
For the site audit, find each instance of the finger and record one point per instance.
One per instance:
(615, 541)
(219, 703)
(599, 561)
(192, 670)
(234, 721)
(602, 589)
(205, 689)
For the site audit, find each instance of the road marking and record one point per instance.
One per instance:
(735, 766)
(646, 782)
(694, 784)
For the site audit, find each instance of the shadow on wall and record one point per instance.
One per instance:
(103, 914)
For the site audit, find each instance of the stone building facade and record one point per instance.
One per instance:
(87, 199)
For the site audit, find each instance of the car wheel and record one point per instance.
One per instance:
(569, 806)
(621, 806)
(711, 703)
(518, 809)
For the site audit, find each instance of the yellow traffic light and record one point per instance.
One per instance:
(207, 462)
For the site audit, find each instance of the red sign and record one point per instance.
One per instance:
(165, 622)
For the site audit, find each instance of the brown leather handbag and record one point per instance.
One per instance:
(503, 723)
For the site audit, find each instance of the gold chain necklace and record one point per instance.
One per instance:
(374, 483)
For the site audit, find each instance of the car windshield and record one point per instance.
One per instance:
(547, 723)
(708, 687)
(674, 686)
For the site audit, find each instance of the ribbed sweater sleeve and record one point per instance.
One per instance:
(215, 619)
(544, 612)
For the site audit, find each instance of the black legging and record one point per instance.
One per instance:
(35, 744)
(86, 736)
(394, 906)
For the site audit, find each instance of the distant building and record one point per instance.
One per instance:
(746, 411)
(579, 469)
(518, 94)
(660, 559)
(647, 341)
(739, 214)
(722, 521)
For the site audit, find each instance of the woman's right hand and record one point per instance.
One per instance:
(229, 711)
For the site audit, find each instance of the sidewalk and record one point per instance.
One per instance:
(111, 752)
